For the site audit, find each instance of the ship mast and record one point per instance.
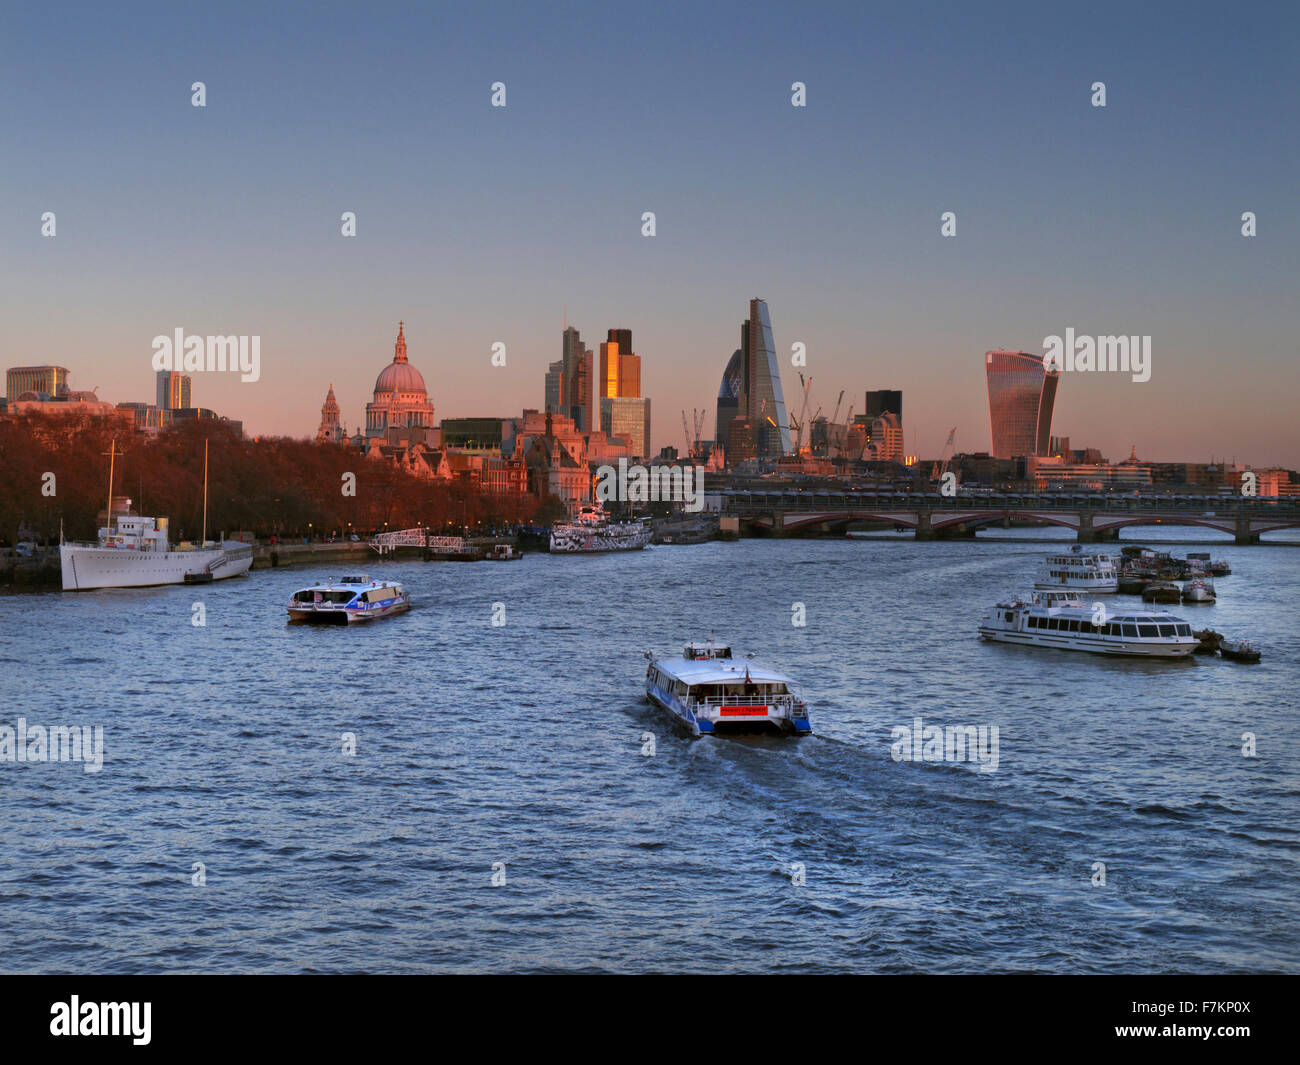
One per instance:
(108, 514)
(205, 493)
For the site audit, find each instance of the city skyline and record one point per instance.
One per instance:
(475, 226)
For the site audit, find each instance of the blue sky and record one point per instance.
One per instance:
(478, 225)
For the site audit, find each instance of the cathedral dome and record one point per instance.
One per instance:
(399, 375)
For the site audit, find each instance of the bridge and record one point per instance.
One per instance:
(1092, 517)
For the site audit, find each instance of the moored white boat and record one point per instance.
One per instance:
(1199, 590)
(348, 600)
(710, 693)
(1095, 574)
(1063, 620)
(134, 553)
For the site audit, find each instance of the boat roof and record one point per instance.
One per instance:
(359, 583)
(720, 671)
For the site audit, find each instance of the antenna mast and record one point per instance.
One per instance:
(205, 493)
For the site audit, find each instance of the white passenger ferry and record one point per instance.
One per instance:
(710, 693)
(1062, 619)
(348, 600)
(591, 531)
(1094, 574)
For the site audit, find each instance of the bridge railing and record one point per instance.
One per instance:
(1220, 506)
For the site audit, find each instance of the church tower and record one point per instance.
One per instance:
(330, 428)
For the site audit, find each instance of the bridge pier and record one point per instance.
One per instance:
(1087, 534)
(778, 524)
(924, 530)
(1244, 534)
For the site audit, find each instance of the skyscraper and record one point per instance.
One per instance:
(554, 388)
(1022, 391)
(766, 400)
(620, 367)
(577, 387)
(731, 401)
(173, 390)
(881, 400)
(628, 417)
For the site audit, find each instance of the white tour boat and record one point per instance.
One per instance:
(592, 531)
(134, 552)
(1096, 574)
(348, 600)
(709, 692)
(1062, 619)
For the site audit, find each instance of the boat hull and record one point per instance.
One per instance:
(85, 568)
(309, 615)
(704, 726)
(1172, 648)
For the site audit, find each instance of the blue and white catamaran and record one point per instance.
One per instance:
(710, 693)
(348, 600)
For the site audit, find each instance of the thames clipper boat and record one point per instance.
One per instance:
(348, 600)
(134, 552)
(710, 693)
(592, 531)
(1087, 573)
(1063, 620)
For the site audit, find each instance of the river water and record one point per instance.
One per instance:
(522, 744)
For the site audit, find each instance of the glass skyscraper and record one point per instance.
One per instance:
(731, 400)
(766, 407)
(1022, 391)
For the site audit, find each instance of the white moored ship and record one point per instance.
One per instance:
(1063, 620)
(135, 552)
(348, 600)
(710, 693)
(592, 531)
(1096, 574)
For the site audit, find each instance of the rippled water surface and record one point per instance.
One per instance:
(522, 745)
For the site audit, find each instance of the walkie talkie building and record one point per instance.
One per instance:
(1021, 393)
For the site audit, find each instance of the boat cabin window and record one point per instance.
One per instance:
(694, 653)
(1184, 630)
(1148, 631)
(1130, 631)
(1168, 630)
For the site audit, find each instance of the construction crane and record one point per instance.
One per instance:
(836, 415)
(838, 435)
(938, 469)
(798, 424)
(693, 436)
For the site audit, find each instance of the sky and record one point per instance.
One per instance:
(478, 225)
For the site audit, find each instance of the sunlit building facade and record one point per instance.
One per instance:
(51, 381)
(174, 390)
(766, 399)
(1022, 391)
(401, 401)
(628, 417)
